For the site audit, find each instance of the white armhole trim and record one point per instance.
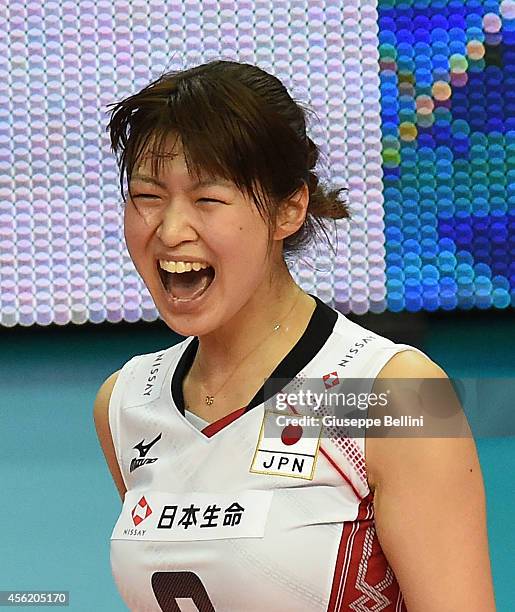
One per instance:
(115, 403)
(387, 353)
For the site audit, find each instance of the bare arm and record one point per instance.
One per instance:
(430, 511)
(101, 418)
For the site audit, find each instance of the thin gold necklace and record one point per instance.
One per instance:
(209, 399)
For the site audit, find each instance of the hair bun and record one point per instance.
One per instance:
(313, 154)
(312, 182)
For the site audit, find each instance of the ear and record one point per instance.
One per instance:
(292, 213)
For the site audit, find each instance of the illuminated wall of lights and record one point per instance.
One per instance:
(415, 106)
(448, 132)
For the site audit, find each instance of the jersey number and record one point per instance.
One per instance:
(168, 587)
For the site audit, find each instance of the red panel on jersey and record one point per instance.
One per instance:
(363, 579)
(216, 426)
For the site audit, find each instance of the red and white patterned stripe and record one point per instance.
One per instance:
(363, 580)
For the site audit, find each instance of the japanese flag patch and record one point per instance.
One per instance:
(287, 446)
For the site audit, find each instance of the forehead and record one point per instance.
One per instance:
(159, 159)
(154, 158)
(149, 172)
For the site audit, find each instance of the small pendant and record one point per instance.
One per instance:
(209, 399)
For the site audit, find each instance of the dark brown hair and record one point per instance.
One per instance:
(234, 121)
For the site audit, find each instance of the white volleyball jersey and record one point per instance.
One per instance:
(241, 515)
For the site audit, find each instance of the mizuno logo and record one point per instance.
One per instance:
(143, 449)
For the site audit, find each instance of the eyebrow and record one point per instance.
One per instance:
(203, 183)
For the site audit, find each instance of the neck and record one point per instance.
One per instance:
(223, 349)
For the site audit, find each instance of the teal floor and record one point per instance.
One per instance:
(59, 504)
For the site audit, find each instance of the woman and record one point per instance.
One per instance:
(224, 505)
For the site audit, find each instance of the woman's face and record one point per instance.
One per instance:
(170, 216)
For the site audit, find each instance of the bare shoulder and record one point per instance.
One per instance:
(383, 454)
(101, 419)
(106, 388)
(420, 482)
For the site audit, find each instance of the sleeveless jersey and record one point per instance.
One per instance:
(240, 515)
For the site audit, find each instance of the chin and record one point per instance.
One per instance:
(185, 325)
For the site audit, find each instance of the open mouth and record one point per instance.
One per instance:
(186, 286)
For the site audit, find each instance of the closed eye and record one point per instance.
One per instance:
(143, 195)
(148, 196)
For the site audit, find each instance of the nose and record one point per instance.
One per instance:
(177, 224)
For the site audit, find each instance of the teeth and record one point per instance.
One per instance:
(182, 266)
